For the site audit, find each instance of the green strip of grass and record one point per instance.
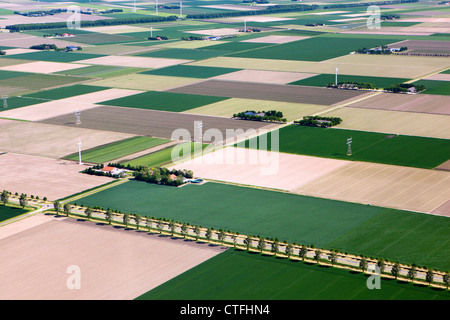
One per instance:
(435, 87)
(400, 150)
(237, 275)
(8, 212)
(331, 224)
(164, 101)
(117, 149)
(322, 80)
(191, 71)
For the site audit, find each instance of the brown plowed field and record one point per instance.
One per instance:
(153, 123)
(273, 92)
(113, 263)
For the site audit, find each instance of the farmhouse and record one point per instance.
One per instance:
(114, 171)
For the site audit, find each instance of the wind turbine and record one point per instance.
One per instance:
(79, 152)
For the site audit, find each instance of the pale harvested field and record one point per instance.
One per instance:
(260, 19)
(46, 110)
(226, 108)
(19, 40)
(190, 44)
(272, 92)
(51, 141)
(232, 7)
(43, 67)
(426, 103)
(263, 76)
(117, 50)
(398, 187)
(424, 46)
(145, 82)
(114, 264)
(439, 77)
(10, 52)
(216, 32)
(135, 62)
(117, 29)
(401, 31)
(414, 66)
(350, 65)
(445, 166)
(276, 39)
(100, 96)
(397, 122)
(443, 210)
(261, 168)
(328, 12)
(45, 177)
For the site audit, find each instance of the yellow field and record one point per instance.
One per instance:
(408, 123)
(398, 187)
(226, 108)
(145, 82)
(376, 66)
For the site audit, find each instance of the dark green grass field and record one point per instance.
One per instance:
(4, 75)
(54, 56)
(7, 212)
(189, 54)
(322, 80)
(160, 157)
(19, 102)
(41, 81)
(356, 228)
(435, 87)
(117, 149)
(446, 71)
(411, 151)
(238, 275)
(314, 49)
(65, 92)
(188, 71)
(164, 101)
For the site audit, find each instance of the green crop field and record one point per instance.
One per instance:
(98, 71)
(322, 80)
(19, 102)
(8, 212)
(12, 74)
(238, 275)
(190, 71)
(435, 86)
(65, 92)
(54, 56)
(189, 54)
(411, 151)
(117, 149)
(41, 81)
(158, 158)
(331, 224)
(164, 101)
(314, 49)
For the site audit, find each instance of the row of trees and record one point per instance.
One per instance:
(366, 4)
(95, 23)
(352, 85)
(268, 10)
(264, 245)
(23, 198)
(318, 121)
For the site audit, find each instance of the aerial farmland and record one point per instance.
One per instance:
(205, 150)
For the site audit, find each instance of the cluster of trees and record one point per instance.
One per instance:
(40, 13)
(112, 11)
(99, 172)
(389, 17)
(49, 47)
(404, 87)
(250, 30)
(269, 10)
(271, 115)
(2, 53)
(366, 4)
(95, 23)
(379, 50)
(158, 38)
(192, 38)
(314, 24)
(255, 1)
(351, 85)
(161, 175)
(317, 121)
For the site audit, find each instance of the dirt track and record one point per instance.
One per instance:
(114, 263)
